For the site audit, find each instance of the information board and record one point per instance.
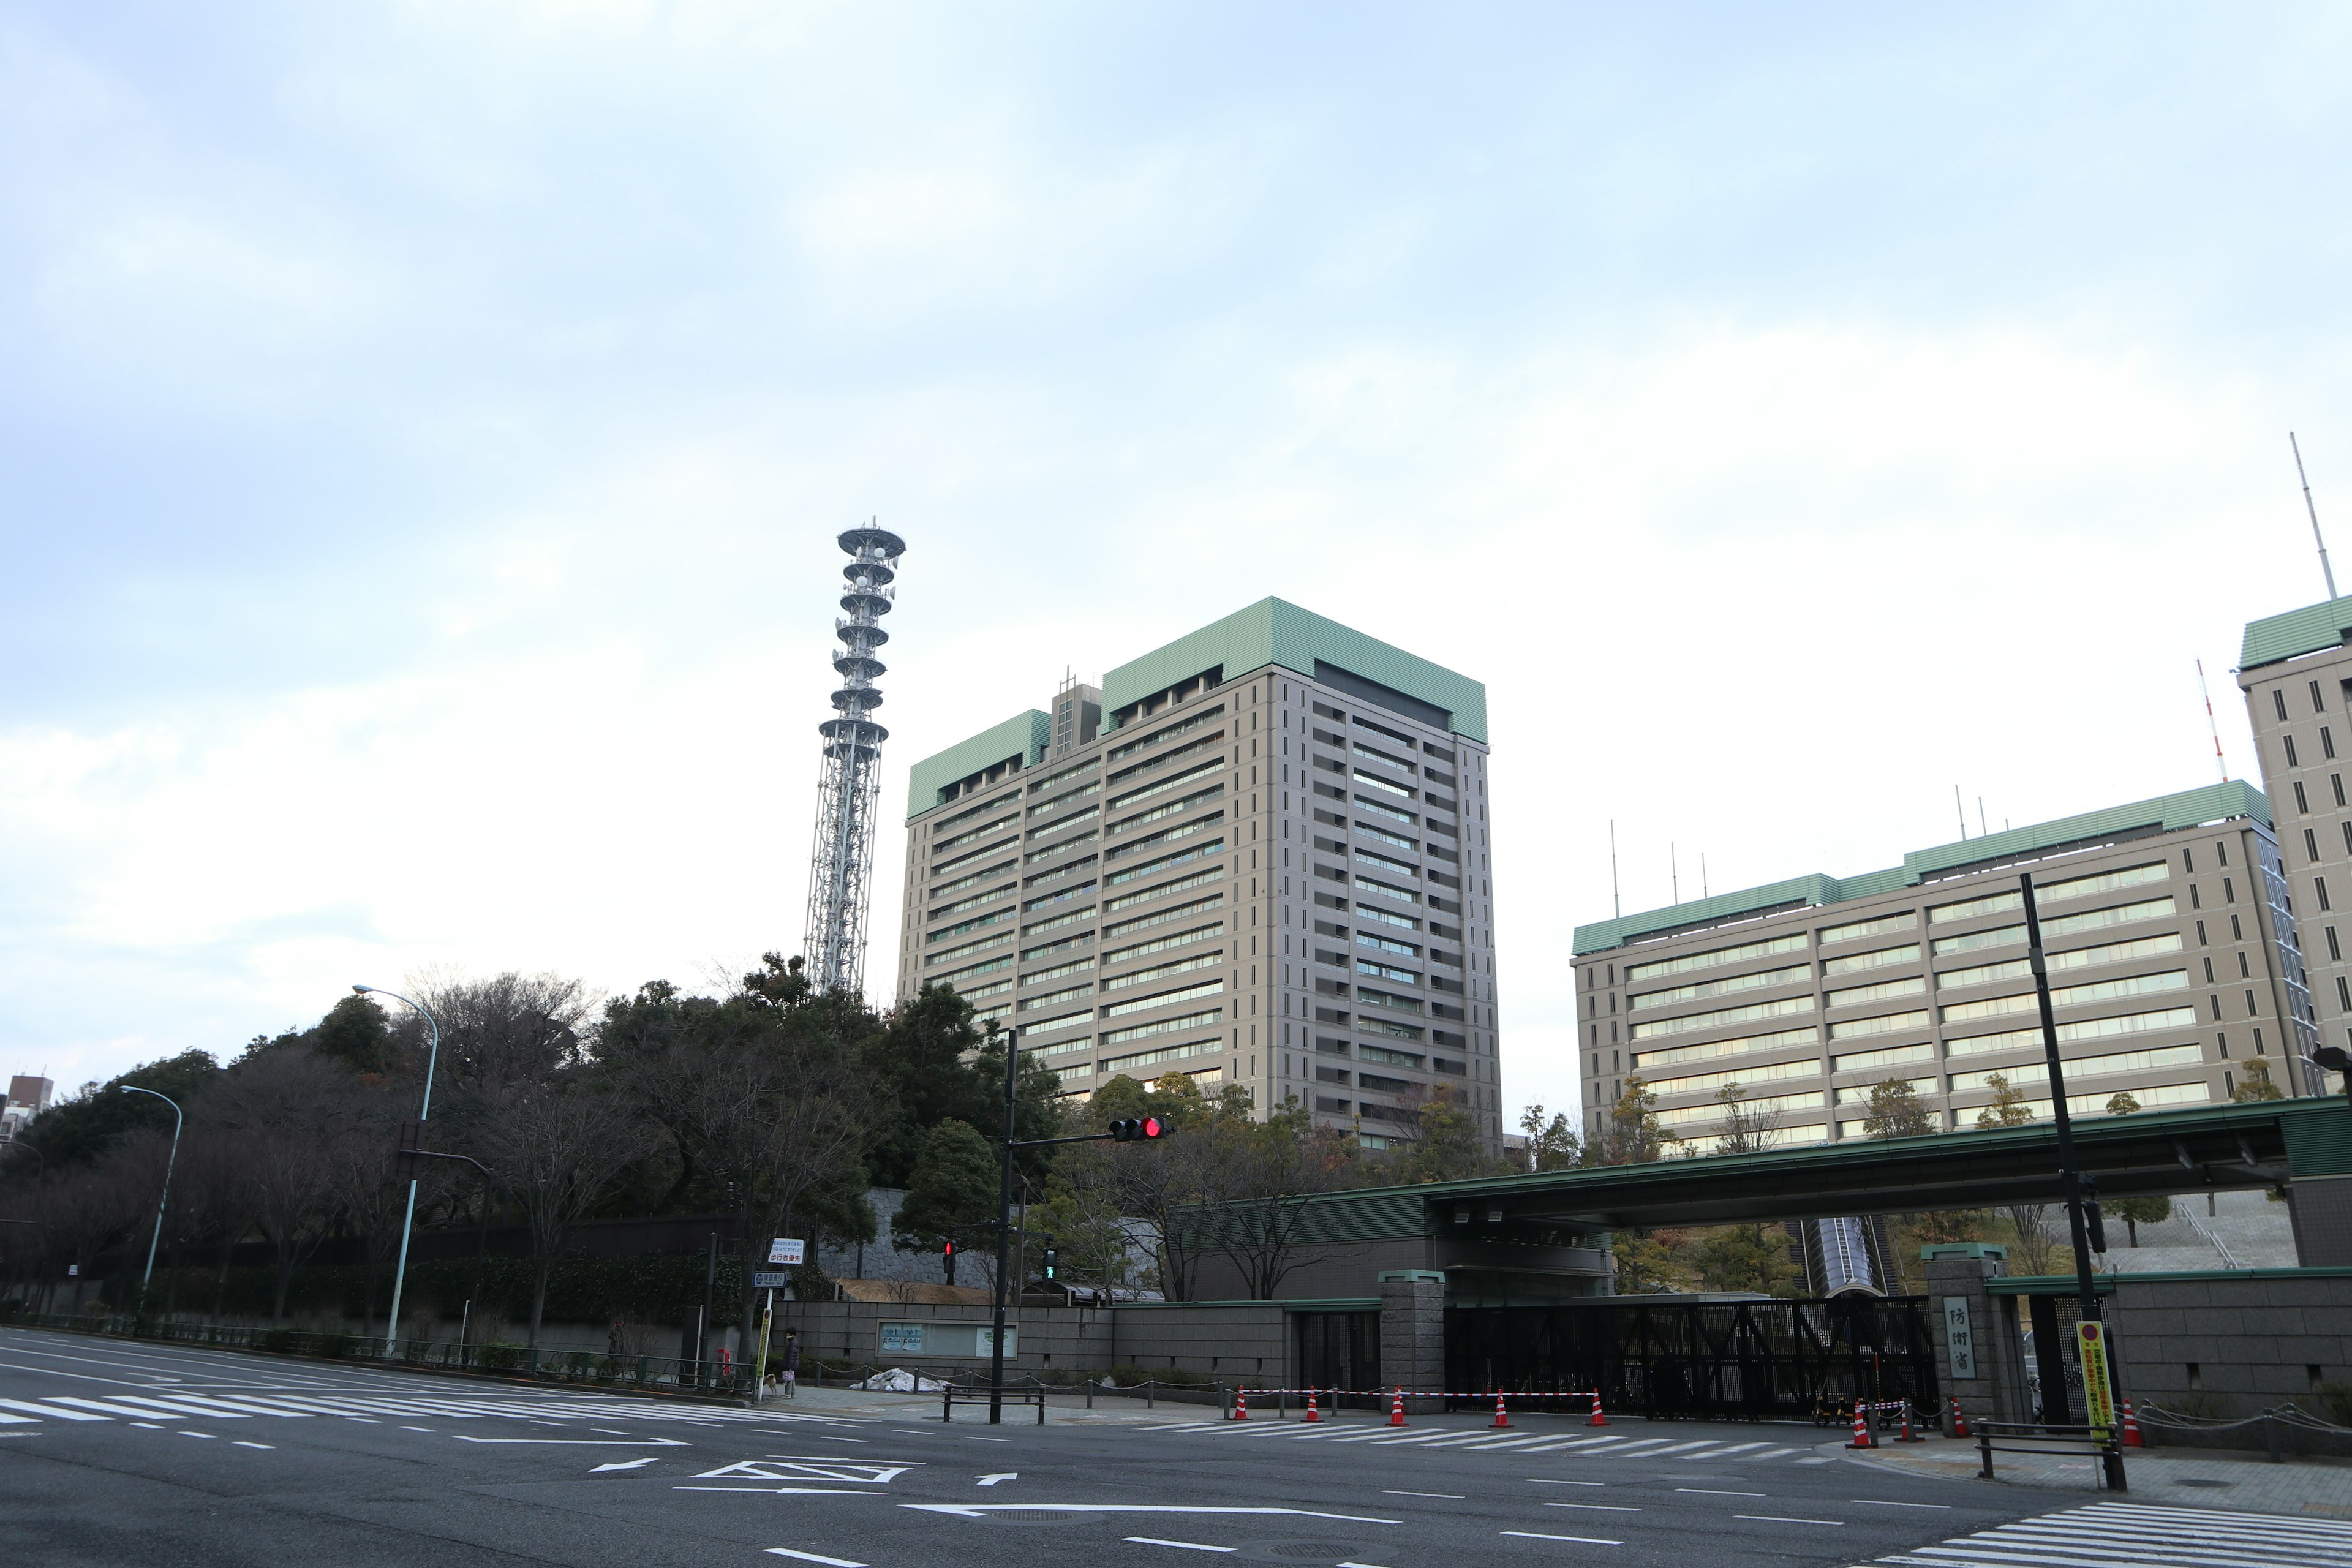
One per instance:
(788, 1249)
(1959, 1335)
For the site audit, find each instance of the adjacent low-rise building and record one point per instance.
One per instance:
(2174, 954)
(1257, 855)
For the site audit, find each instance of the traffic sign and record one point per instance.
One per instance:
(788, 1249)
(764, 1279)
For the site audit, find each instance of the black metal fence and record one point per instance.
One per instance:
(1723, 1359)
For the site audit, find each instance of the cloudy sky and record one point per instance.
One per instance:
(426, 426)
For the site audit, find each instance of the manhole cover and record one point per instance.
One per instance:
(1030, 1515)
(1325, 1553)
(2194, 1482)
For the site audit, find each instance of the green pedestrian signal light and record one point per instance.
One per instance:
(1051, 1258)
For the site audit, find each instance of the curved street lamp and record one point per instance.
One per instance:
(164, 1202)
(424, 1113)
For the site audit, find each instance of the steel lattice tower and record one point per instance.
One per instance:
(849, 787)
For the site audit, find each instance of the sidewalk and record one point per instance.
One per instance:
(2314, 1489)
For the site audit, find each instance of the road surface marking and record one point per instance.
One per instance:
(55, 1413)
(1001, 1476)
(1581, 1540)
(1547, 1481)
(206, 1435)
(416, 1428)
(1880, 1502)
(1187, 1545)
(583, 1442)
(982, 1510)
(1456, 1497)
(779, 1491)
(243, 1444)
(1784, 1519)
(626, 1464)
(813, 1557)
(1596, 1507)
(1711, 1491)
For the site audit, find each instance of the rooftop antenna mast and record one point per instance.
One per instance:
(2212, 727)
(849, 784)
(1616, 904)
(2324, 570)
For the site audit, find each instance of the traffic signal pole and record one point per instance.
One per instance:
(1145, 1128)
(1003, 1227)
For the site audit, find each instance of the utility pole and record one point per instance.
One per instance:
(2077, 1221)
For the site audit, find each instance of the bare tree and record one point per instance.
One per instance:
(286, 1111)
(556, 1147)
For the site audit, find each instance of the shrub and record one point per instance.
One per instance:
(1176, 1375)
(499, 1354)
(2334, 1402)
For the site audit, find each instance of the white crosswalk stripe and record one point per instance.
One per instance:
(2128, 1535)
(180, 1404)
(1480, 1440)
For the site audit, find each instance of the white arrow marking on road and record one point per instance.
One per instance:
(813, 1557)
(781, 1492)
(584, 1442)
(1005, 1475)
(627, 1464)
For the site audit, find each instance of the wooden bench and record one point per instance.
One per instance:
(2023, 1438)
(984, 1393)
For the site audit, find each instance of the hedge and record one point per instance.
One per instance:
(648, 1289)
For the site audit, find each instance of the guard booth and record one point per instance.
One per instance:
(1719, 1356)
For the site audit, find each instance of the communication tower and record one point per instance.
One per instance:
(849, 785)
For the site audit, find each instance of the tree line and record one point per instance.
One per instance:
(773, 1103)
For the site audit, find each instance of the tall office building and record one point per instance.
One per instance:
(2296, 672)
(2173, 951)
(1255, 856)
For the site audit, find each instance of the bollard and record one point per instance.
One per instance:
(1907, 1436)
(1959, 1422)
(1310, 1407)
(1597, 1419)
(1862, 1437)
(2132, 1439)
(1501, 1419)
(1396, 1408)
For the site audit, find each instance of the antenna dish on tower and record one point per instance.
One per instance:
(849, 783)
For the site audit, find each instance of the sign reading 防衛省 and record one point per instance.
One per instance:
(1960, 1337)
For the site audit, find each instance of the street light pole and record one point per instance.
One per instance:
(2069, 1177)
(424, 1113)
(164, 1202)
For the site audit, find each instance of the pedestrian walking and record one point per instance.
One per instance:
(791, 1363)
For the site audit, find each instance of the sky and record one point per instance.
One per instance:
(424, 430)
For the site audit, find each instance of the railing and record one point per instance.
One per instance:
(2104, 1443)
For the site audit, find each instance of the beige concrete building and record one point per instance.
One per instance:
(2295, 670)
(1256, 856)
(2173, 955)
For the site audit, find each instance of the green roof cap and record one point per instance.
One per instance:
(2213, 802)
(1276, 632)
(1023, 735)
(2307, 630)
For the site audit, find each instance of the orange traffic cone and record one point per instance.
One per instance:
(1396, 1409)
(1959, 1422)
(1862, 1437)
(1500, 1418)
(2132, 1439)
(1310, 1407)
(1598, 1419)
(1241, 1404)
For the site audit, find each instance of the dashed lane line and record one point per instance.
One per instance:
(1581, 1539)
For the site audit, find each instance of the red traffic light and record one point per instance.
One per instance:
(1127, 1130)
(946, 1249)
(1151, 1127)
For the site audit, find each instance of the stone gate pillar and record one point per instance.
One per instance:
(1412, 1330)
(1980, 1354)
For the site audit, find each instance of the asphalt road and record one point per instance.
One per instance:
(114, 1453)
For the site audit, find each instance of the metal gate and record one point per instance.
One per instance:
(1663, 1357)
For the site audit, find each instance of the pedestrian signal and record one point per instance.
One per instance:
(1051, 1257)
